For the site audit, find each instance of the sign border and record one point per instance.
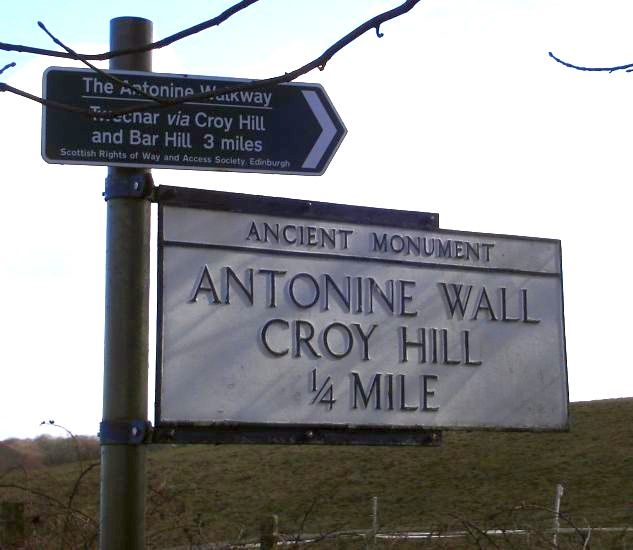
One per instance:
(267, 433)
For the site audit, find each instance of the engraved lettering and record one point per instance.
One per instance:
(405, 344)
(299, 235)
(405, 298)
(204, 283)
(348, 340)
(264, 336)
(484, 305)
(364, 337)
(415, 245)
(245, 287)
(454, 300)
(272, 275)
(365, 396)
(453, 348)
(526, 317)
(301, 339)
(427, 392)
(403, 397)
(312, 283)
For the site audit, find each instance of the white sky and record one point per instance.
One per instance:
(456, 110)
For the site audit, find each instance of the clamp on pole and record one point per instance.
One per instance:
(138, 186)
(125, 432)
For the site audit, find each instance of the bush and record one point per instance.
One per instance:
(57, 450)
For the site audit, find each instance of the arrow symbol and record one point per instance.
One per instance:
(328, 130)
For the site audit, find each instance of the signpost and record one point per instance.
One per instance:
(280, 320)
(122, 431)
(285, 129)
(308, 322)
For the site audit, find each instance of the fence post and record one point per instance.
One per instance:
(12, 529)
(374, 515)
(269, 532)
(370, 539)
(559, 493)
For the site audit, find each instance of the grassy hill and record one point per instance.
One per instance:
(474, 481)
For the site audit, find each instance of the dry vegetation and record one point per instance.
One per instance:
(473, 482)
(46, 451)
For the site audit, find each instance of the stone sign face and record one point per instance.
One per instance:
(283, 319)
(284, 129)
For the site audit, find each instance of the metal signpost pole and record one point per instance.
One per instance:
(124, 423)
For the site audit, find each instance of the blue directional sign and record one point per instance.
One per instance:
(284, 129)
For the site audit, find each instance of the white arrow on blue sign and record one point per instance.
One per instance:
(285, 129)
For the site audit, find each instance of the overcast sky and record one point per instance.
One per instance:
(457, 109)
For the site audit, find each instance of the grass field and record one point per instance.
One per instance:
(474, 481)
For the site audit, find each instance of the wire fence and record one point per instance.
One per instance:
(42, 521)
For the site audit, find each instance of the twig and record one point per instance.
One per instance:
(587, 539)
(75, 489)
(319, 62)
(71, 497)
(111, 78)
(46, 102)
(50, 498)
(628, 68)
(13, 469)
(70, 434)
(474, 529)
(7, 66)
(306, 514)
(153, 46)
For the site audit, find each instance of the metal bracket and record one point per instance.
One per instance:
(125, 432)
(304, 435)
(137, 186)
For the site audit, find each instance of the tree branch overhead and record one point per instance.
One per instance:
(372, 24)
(628, 67)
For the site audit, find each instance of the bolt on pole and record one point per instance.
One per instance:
(123, 475)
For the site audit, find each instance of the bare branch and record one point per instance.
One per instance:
(307, 513)
(7, 66)
(116, 81)
(319, 62)
(46, 102)
(215, 21)
(49, 498)
(72, 496)
(628, 68)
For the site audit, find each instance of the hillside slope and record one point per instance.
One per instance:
(482, 479)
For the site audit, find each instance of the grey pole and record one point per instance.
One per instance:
(123, 476)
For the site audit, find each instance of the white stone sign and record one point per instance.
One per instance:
(293, 321)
